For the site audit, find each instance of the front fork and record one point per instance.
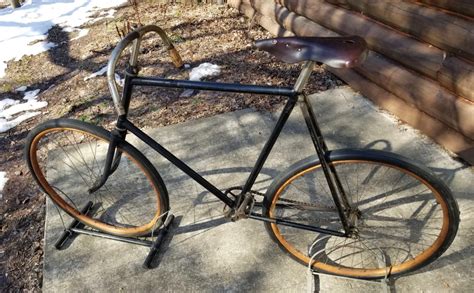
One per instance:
(114, 155)
(112, 160)
(337, 191)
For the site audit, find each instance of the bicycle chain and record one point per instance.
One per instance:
(282, 199)
(307, 204)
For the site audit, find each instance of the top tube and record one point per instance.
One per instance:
(135, 38)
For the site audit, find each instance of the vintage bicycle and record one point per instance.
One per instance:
(357, 213)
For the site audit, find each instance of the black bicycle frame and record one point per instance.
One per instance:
(123, 125)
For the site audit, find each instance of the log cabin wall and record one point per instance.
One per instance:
(420, 65)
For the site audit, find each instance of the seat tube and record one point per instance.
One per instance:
(304, 76)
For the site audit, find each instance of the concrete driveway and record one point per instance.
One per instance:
(204, 252)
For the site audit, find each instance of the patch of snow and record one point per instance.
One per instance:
(23, 26)
(21, 88)
(82, 33)
(3, 182)
(30, 95)
(104, 14)
(7, 102)
(100, 72)
(9, 108)
(3, 67)
(197, 73)
(6, 125)
(69, 29)
(119, 80)
(108, 13)
(204, 70)
(23, 107)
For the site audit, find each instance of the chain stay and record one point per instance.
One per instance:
(248, 203)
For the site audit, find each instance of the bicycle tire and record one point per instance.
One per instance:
(385, 244)
(66, 157)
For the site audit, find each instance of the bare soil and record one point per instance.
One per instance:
(206, 33)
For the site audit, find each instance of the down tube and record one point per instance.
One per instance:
(177, 162)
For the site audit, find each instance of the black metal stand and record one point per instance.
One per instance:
(386, 283)
(314, 282)
(76, 228)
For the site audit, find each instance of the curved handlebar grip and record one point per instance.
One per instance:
(176, 58)
(127, 40)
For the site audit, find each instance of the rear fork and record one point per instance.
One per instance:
(347, 214)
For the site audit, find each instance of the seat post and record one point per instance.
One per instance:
(304, 76)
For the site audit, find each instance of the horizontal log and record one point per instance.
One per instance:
(405, 49)
(424, 93)
(453, 73)
(300, 25)
(458, 76)
(437, 130)
(464, 7)
(446, 31)
(266, 21)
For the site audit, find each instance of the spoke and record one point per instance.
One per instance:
(108, 201)
(386, 192)
(357, 185)
(73, 203)
(72, 145)
(348, 196)
(399, 217)
(370, 249)
(374, 183)
(94, 152)
(81, 155)
(73, 167)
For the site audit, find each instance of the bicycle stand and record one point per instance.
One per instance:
(314, 280)
(76, 228)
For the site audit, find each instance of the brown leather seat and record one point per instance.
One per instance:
(336, 52)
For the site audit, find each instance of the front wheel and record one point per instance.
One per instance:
(402, 216)
(67, 157)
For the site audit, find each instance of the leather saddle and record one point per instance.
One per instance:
(338, 52)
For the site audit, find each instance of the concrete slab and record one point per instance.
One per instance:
(206, 253)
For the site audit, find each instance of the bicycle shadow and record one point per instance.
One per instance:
(208, 204)
(165, 244)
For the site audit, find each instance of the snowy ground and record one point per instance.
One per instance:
(24, 32)
(12, 112)
(3, 181)
(24, 29)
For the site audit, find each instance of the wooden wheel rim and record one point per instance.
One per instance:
(58, 200)
(359, 272)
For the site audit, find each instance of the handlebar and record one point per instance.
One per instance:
(135, 37)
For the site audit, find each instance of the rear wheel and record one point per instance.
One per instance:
(403, 217)
(66, 157)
